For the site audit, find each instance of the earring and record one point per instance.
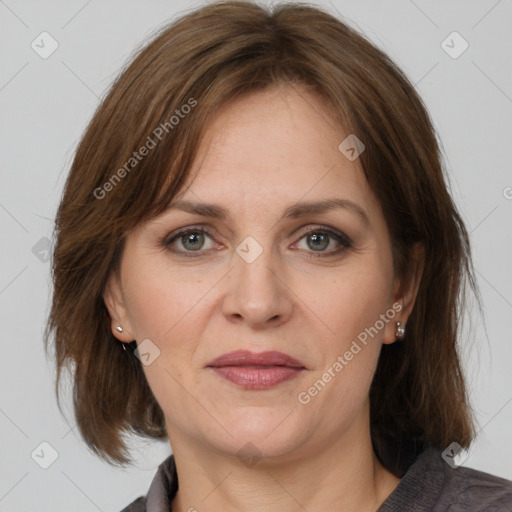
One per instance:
(400, 330)
(120, 329)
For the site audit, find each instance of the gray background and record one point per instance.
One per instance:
(45, 105)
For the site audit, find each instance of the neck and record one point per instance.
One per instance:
(343, 475)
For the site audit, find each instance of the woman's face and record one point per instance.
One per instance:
(272, 274)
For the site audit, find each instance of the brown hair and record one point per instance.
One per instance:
(205, 59)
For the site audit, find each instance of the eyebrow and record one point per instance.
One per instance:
(293, 211)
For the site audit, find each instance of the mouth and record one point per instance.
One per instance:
(256, 371)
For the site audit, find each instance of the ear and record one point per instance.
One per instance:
(115, 302)
(404, 293)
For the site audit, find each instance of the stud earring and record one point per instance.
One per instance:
(400, 330)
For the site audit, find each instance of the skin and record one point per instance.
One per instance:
(316, 455)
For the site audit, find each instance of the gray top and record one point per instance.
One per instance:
(430, 484)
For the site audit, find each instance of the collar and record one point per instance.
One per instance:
(163, 487)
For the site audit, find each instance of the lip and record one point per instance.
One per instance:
(247, 358)
(262, 370)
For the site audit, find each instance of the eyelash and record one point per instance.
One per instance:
(341, 238)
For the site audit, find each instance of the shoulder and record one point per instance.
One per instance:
(138, 505)
(431, 484)
(477, 491)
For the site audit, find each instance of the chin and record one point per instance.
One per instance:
(261, 433)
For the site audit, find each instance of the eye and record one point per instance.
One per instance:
(188, 240)
(319, 239)
(192, 240)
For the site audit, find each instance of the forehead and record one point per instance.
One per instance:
(276, 145)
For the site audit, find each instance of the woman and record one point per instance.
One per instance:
(257, 258)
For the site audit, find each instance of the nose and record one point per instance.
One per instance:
(257, 292)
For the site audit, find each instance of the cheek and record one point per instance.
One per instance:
(351, 307)
(161, 300)
(351, 302)
(162, 309)
(354, 303)
(170, 308)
